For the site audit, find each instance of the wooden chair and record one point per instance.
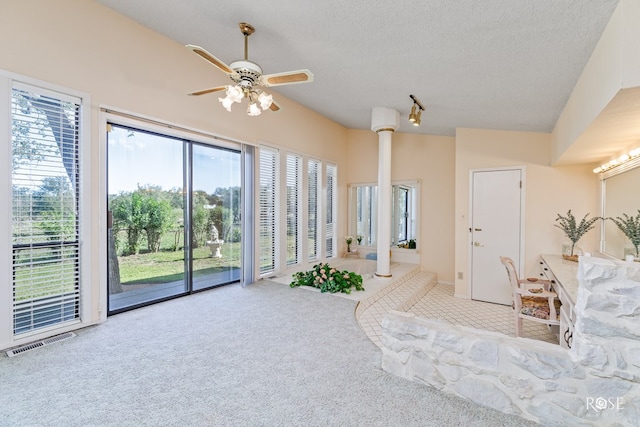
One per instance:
(533, 299)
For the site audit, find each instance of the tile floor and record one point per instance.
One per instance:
(400, 295)
(439, 303)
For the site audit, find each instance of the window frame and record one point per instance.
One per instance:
(86, 221)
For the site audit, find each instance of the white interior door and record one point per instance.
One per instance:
(496, 224)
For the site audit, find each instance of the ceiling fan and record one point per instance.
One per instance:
(248, 78)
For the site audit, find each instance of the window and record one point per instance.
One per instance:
(405, 203)
(366, 214)
(294, 168)
(267, 222)
(400, 215)
(308, 210)
(331, 211)
(313, 182)
(46, 202)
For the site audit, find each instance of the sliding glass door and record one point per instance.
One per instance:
(146, 217)
(215, 216)
(173, 216)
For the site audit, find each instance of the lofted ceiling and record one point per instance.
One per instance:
(492, 64)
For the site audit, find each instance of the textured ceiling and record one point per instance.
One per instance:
(494, 64)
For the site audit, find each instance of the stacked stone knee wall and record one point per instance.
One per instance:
(596, 383)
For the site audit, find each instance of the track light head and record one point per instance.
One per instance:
(414, 116)
(416, 122)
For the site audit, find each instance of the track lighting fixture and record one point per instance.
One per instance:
(414, 116)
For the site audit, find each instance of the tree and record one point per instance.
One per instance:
(199, 225)
(129, 215)
(222, 219)
(229, 197)
(159, 219)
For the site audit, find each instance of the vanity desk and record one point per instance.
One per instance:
(563, 277)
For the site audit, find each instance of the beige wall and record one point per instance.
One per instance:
(429, 159)
(81, 45)
(549, 191)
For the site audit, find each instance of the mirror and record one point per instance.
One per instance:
(405, 206)
(620, 196)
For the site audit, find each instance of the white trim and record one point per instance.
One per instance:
(165, 127)
(168, 129)
(46, 87)
(103, 268)
(7, 82)
(87, 214)
(305, 155)
(6, 303)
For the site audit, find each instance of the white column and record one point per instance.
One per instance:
(384, 121)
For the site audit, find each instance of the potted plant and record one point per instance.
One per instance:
(574, 230)
(348, 240)
(630, 226)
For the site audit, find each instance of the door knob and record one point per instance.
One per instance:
(478, 244)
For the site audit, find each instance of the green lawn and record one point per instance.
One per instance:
(167, 266)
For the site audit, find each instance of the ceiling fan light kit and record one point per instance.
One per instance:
(414, 116)
(247, 77)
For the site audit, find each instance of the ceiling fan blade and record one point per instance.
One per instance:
(212, 59)
(205, 91)
(274, 106)
(286, 78)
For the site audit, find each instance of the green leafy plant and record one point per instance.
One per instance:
(630, 226)
(349, 240)
(573, 230)
(328, 279)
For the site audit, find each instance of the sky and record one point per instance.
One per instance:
(140, 159)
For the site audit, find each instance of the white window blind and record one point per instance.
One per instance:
(330, 227)
(294, 163)
(313, 181)
(45, 205)
(268, 188)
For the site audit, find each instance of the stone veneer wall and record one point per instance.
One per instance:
(596, 382)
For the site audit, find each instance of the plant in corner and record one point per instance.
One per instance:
(328, 279)
(630, 226)
(573, 230)
(348, 240)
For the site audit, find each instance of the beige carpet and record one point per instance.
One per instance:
(264, 355)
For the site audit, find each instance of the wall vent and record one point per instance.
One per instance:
(37, 344)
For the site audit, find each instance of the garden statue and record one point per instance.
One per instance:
(215, 243)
